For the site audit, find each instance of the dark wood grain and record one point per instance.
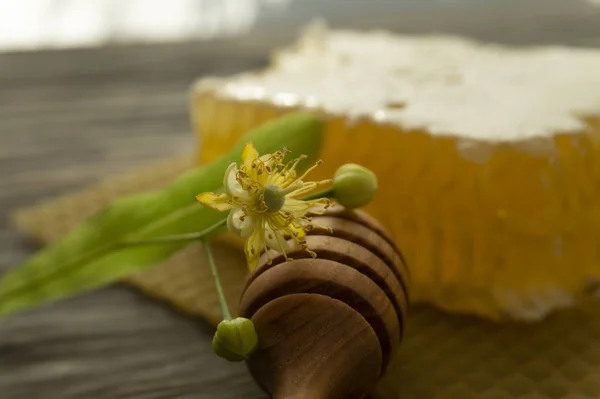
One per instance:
(327, 326)
(314, 346)
(68, 118)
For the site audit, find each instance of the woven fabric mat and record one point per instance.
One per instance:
(443, 356)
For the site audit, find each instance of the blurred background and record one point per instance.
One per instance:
(92, 88)
(41, 24)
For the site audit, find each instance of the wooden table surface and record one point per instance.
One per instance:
(68, 118)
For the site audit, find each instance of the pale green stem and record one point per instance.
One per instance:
(225, 314)
(201, 235)
(319, 194)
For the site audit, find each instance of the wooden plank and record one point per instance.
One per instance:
(68, 119)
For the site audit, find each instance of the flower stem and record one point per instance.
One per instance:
(225, 314)
(320, 194)
(201, 235)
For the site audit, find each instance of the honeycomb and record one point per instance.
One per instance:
(488, 157)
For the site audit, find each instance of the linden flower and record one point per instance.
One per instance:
(263, 200)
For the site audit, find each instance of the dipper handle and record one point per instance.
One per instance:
(327, 327)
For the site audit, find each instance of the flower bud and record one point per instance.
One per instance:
(235, 340)
(354, 185)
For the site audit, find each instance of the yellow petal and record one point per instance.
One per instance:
(218, 202)
(275, 239)
(240, 223)
(296, 207)
(299, 230)
(230, 183)
(249, 154)
(254, 245)
(278, 221)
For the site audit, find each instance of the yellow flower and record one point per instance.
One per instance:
(262, 196)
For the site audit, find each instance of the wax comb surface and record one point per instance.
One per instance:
(488, 157)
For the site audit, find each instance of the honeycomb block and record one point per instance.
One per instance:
(488, 156)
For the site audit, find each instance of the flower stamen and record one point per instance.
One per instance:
(262, 194)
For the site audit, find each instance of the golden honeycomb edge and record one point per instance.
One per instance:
(510, 235)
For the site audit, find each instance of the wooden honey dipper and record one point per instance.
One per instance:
(327, 327)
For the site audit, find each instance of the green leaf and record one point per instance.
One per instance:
(91, 256)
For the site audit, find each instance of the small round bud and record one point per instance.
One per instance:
(235, 340)
(354, 185)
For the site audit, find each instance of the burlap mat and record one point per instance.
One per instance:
(443, 356)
